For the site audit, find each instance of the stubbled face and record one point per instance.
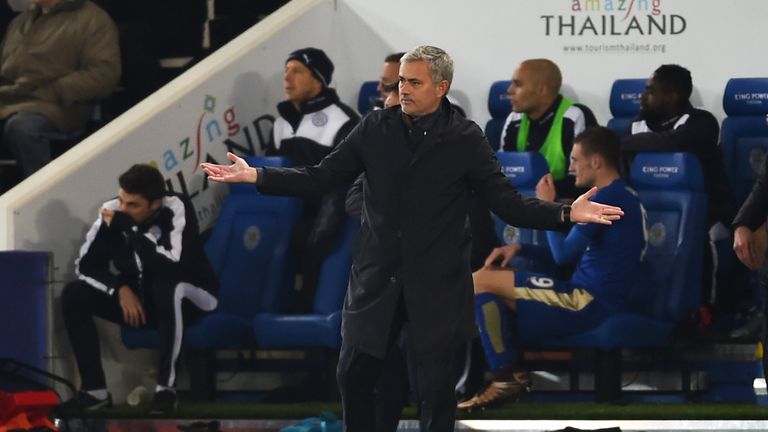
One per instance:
(656, 99)
(136, 206)
(389, 78)
(419, 95)
(298, 82)
(524, 92)
(581, 167)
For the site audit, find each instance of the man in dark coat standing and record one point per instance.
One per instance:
(411, 281)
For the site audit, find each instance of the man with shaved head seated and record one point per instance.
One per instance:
(543, 120)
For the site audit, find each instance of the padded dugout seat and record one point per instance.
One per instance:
(368, 97)
(322, 328)
(671, 188)
(625, 104)
(499, 106)
(524, 170)
(744, 132)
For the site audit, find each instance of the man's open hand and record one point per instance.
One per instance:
(238, 172)
(584, 210)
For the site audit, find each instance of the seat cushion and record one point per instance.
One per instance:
(297, 331)
(619, 331)
(215, 331)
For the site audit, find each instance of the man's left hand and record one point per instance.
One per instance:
(545, 188)
(584, 210)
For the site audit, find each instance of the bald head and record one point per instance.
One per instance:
(545, 72)
(535, 86)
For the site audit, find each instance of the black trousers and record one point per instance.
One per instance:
(374, 391)
(165, 309)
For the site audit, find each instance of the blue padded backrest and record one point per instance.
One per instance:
(334, 274)
(499, 105)
(248, 248)
(664, 171)
(625, 96)
(670, 186)
(620, 126)
(23, 309)
(744, 133)
(625, 103)
(493, 130)
(524, 170)
(746, 97)
(368, 97)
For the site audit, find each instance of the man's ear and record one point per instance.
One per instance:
(596, 161)
(442, 88)
(156, 204)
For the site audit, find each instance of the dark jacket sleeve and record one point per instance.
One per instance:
(493, 187)
(754, 211)
(165, 254)
(105, 246)
(699, 132)
(354, 202)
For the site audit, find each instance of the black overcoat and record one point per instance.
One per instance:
(413, 237)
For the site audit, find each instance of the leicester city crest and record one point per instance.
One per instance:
(251, 237)
(155, 232)
(319, 119)
(511, 234)
(657, 234)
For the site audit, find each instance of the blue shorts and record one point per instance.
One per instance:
(547, 307)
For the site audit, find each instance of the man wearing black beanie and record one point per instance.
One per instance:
(311, 122)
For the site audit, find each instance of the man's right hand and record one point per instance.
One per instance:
(133, 311)
(238, 172)
(505, 252)
(750, 246)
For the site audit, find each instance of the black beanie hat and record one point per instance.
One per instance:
(316, 61)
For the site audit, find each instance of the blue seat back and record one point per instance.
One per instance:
(334, 274)
(524, 170)
(368, 97)
(625, 104)
(23, 310)
(499, 106)
(249, 245)
(744, 133)
(671, 188)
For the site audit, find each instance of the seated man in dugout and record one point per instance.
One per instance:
(311, 122)
(543, 120)
(142, 265)
(511, 305)
(668, 122)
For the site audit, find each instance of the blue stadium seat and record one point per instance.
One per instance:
(368, 97)
(671, 188)
(23, 311)
(248, 250)
(524, 170)
(744, 133)
(499, 107)
(625, 104)
(322, 328)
